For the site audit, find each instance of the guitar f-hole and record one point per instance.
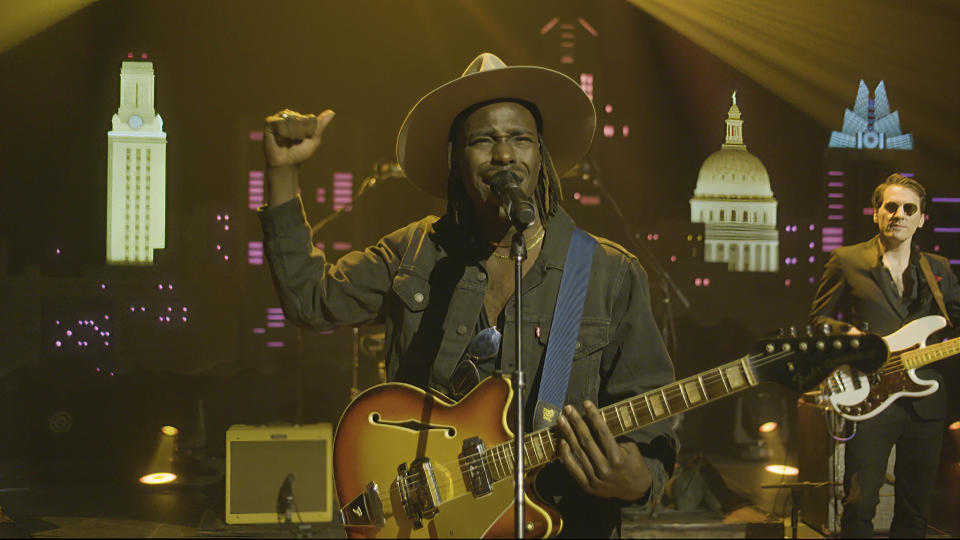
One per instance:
(413, 425)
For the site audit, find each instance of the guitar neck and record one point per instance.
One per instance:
(930, 354)
(541, 447)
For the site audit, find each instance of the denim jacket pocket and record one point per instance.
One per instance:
(413, 291)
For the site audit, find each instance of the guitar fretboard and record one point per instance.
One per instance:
(541, 447)
(932, 353)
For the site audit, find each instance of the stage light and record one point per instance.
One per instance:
(768, 427)
(783, 470)
(160, 468)
(158, 478)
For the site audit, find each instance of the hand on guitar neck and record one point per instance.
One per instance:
(593, 457)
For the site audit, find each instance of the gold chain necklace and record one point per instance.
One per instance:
(532, 244)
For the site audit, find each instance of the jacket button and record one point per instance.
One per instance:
(461, 329)
(418, 297)
(577, 346)
(481, 277)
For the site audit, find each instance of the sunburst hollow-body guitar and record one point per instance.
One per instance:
(408, 464)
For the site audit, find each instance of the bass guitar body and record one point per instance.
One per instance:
(404, 463)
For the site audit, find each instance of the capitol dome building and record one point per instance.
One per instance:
(734, 201)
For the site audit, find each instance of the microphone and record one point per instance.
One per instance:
(506, 185)
(285, 498)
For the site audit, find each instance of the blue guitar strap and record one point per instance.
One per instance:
(564, 329)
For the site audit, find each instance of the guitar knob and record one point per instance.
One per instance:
(855, 343)
(792, 331)
(803, 346)
(825, 329)
(810, 330)
(837, 344)
(821, 345)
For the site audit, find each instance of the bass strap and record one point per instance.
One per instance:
(564, 329)
(934, 287)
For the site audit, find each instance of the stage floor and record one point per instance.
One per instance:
(58, 499)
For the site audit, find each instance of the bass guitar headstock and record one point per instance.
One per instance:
(801, 362)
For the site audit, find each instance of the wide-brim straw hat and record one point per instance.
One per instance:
(569, 119)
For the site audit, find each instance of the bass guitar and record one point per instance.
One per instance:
(408, 464)
(857, 396)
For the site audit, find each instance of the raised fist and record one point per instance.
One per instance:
(290, 138)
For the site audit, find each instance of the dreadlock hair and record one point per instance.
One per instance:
(897, 179)
(548, 193)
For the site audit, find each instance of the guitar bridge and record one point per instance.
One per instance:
(419, 492)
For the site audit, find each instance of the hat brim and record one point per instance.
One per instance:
(569, 119)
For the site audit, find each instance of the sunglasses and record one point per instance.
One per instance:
(908, 208)
(484, 346)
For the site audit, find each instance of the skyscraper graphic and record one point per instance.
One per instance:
(136, 171)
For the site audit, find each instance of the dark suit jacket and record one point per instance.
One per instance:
(853, 286)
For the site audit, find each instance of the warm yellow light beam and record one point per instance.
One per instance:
(813, 53)
(158, 478)
(768, 427)
(783, 470)
(21, 19)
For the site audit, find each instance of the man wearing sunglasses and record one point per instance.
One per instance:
(879, 286)
(444, 287)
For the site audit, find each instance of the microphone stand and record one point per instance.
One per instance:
(518, 252)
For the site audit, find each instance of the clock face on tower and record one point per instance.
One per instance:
(135, 122)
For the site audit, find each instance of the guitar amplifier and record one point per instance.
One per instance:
(259, 461)
(821, 460)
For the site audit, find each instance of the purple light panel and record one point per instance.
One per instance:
(946, 229)
(834, 184)
(835, 173)
(868, 211)
(256, 135)
(954, 200)
(321, 195)
(255, 190)
(342, 190)
(835, 206)
(835, 217)
(835, 195)
(586, 83)
(342, 246)
(255, 253)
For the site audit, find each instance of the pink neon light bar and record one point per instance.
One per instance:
(566, 59)
(835, 206)
(835, 173)
(835, 217)
(275, 344)
(342, 246)
(835, 195)
(550, 24)
(834, 184)
(868, 211)
(832, 230)
(587, 26)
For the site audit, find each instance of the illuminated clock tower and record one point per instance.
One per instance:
(136, 171)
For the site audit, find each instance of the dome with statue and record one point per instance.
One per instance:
(734, 201)
(732, 171)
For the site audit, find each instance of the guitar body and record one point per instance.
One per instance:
(857, 396)
(394, 424)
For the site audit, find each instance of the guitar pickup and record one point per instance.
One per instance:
(473, 457)
(365, 510)
(419, 492)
